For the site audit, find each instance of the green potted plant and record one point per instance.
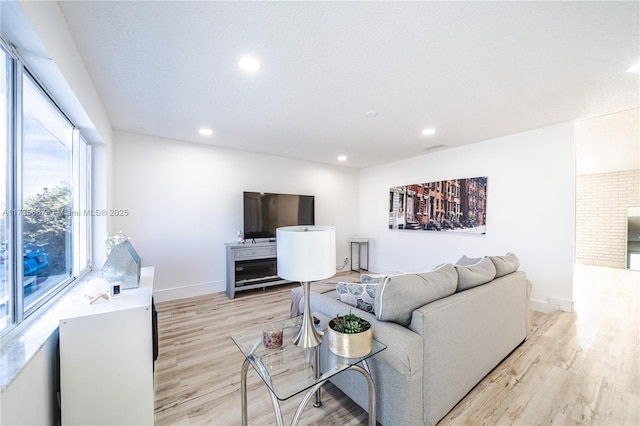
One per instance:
(349, 336)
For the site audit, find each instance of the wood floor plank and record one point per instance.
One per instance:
(578, 368)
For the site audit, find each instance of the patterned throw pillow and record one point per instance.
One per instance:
(362, 296)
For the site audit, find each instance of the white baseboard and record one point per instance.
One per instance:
(373, 269)
(176, 293)
(563, 304)
(551, 306)
(540, 306)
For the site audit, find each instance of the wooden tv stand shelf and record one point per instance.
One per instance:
(251, 266)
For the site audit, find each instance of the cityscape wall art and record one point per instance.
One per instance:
(456, 205)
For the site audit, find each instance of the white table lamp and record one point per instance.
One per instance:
(306, 253)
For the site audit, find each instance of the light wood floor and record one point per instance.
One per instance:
(575, 368)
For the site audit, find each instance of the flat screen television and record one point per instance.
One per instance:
(264, 212)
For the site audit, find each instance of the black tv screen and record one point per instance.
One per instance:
(264, 212)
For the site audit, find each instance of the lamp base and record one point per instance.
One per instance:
(308, 336)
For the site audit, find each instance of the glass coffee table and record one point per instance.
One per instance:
(289, 370)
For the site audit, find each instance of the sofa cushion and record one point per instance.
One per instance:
(361, 296)
(398, 296)
(476, 274)
(505, 264)
(464, 260)
(372, 278)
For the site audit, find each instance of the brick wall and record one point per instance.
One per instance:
(602, 202)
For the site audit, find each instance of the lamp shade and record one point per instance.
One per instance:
(306, 253)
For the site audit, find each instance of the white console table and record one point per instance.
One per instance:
(251, 266)
(106, 359)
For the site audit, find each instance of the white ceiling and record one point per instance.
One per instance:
(471, 70)
(609, 143)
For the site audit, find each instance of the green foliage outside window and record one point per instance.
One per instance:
(47, 222)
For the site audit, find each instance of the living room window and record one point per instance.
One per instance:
(45, 199)
(5, 234)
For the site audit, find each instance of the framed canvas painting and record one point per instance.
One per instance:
(456, 205)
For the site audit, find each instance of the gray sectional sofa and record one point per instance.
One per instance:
(445, 330)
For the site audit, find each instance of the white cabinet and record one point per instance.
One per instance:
(106, 360)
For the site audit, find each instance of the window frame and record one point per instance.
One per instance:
(80, 182)
(12, 105)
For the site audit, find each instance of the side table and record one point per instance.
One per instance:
(361, 244)
(290, 370)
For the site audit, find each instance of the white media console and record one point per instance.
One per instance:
(106, 359)
(251, 266)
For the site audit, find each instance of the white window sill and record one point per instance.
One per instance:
(18, 350)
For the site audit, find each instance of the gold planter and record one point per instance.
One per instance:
(349, 345)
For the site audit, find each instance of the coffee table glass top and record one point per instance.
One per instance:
(288, 370)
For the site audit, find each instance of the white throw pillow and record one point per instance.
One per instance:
(505, 264)
(398, 296)
(470, 276)
(465, 261)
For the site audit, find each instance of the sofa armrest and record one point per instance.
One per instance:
(404, 347)
(466, 335)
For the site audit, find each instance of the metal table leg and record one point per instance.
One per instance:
(372, 391)
(316, 369)
(314, 392)
(243, 390)
(243, 397)
(364, 370)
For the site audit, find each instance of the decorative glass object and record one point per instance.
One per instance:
(123, 265)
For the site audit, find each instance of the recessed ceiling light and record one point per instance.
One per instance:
(634, 68)
(342, 158)
(249, 64)
(371, 113)
(204, 131)
(428, 132)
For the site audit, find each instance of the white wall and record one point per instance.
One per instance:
(50, 51)
(100, 154)
(185, 202)
(530, 209)
(608, 166)
(610, 143)
(31, 399)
